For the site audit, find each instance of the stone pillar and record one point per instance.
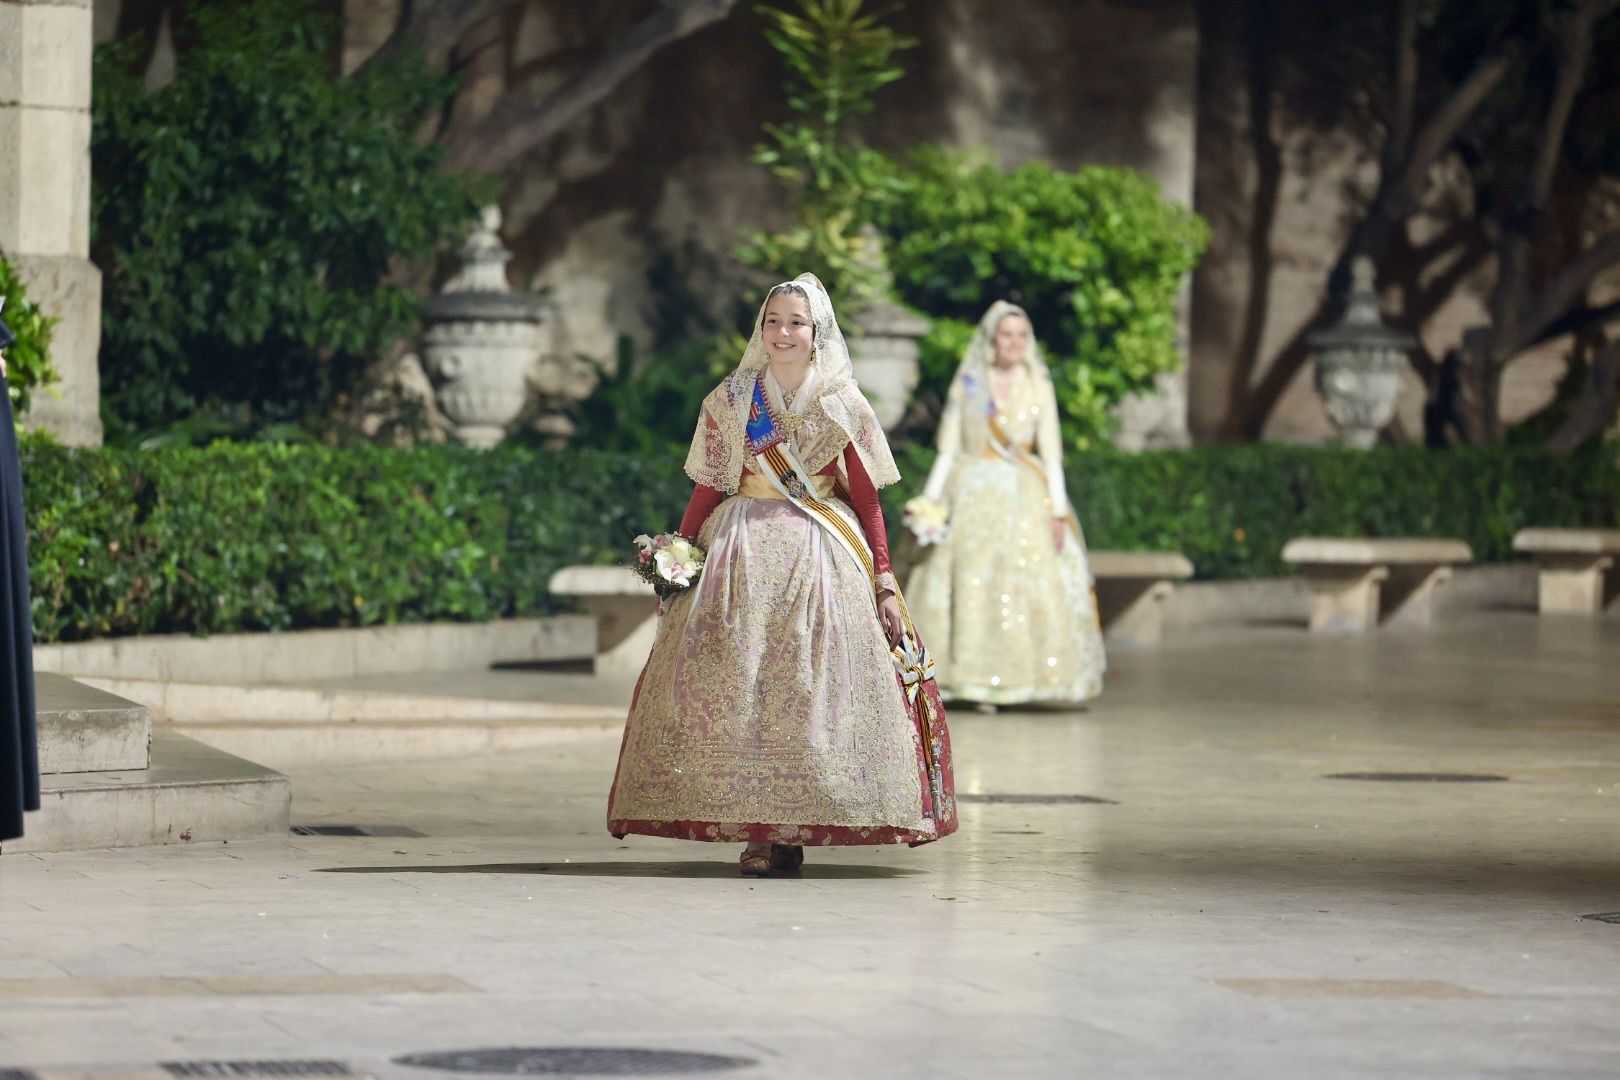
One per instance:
(45, 48)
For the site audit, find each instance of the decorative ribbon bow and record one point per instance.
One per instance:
(915, 664)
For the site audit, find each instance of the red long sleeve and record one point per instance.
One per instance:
(702, 503)
(863, 497)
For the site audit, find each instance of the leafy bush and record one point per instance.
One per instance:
(1096, 256)
(837, 56)
(251, 216)
(245, 536)
(1231, 509)
(650, 408)
(28, 361)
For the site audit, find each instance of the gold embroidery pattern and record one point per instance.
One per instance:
(770, 695)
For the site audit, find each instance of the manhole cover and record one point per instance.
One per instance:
(1041, 799)
(575, 1061)
(1605, 916)
(355, 830)
(255, 1068)
(1419, 777)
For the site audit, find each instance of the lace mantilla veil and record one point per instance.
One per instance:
(981, 352)
(838, 412)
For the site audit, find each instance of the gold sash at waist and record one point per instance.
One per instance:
(755, 486)
(992, 452)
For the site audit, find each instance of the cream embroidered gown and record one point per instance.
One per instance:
(770, 709)
(1009, 619)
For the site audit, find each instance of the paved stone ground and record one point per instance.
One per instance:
(1230, 912)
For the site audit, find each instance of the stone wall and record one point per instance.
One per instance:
(1280, 195)
(45, 196)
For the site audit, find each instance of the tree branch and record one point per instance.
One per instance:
(433, 29)
(1403, 103)
(1576, 321)
(1595, 408)
(1508, 300)
(521, 122)
(1431, 143)
(1562, 294)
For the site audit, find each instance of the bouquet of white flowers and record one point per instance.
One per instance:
(928, 520)
(669, 562)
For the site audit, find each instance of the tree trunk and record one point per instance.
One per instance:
(1596, 407)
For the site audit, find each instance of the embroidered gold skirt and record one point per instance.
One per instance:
(769, 709)
(1009, 619)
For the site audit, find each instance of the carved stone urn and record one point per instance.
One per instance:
(481, 340)
(883, 349)
(1360, 363)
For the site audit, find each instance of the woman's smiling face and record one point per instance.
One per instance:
(786, 329)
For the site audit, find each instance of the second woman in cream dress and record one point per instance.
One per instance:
(1005, 601)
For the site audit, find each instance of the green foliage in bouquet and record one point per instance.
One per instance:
(252, 216)
(28, 361)
(1096, 256)
(838, 55)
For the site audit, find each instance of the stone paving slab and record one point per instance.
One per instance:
(1229, 912)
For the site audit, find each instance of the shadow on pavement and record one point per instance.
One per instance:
(718, 868)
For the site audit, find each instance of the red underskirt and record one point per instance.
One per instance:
(804, 835)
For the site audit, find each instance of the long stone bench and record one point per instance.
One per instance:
(1574, 568)
(626, 620)
(1132, 587)
(1357, 583)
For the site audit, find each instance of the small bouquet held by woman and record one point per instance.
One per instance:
(670, 563)
(929, 521)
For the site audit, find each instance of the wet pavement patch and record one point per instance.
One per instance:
(575, 1061)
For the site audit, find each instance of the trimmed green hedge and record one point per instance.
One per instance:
(251, 536)
(1231, 509)
(245, 536)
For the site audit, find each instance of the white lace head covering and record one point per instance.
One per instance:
(836, 415)
(981, 351)
(971, 384)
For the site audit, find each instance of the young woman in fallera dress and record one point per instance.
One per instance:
(787, 701)
(1006, 597)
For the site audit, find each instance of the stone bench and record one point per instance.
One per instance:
(1131, 589)
(1572, 568)
(1355, 584)
(626, 620)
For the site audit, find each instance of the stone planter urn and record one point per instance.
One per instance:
(1360, 363)
(883, 349)
(481, 340)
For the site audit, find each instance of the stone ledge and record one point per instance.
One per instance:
(1348, 551)
(1140, 564)
(298, 655)
(1568, 541)
(598, 581)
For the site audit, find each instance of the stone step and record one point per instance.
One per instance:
(189, 793)
(295, 744)
(82, 729)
